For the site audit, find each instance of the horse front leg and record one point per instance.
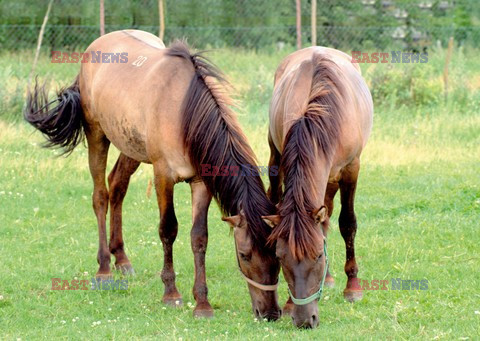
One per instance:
(348, 228)
(332, 189)
(168, 229)
(201, 199)
(118, 181)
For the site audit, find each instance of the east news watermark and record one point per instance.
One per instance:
(90, 57)
(122, 284)
(393, 57)
(238, 170)
(85, 284)
(393, 284)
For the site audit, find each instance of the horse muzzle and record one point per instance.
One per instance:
(306, 316)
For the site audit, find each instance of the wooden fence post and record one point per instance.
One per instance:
(445, 69)
(299, 24)
(39, 42)
(102, 18)
(314, 22)
(162, 19)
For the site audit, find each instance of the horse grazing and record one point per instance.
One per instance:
(320, 119)
(169, 108)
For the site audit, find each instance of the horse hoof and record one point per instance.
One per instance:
(203, 312)
(126, 269)
(352, 295)
(329, 282)
(104, 276)
(287, 309)
(175, 302)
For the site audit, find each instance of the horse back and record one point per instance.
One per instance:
(137, 103)
(293, 82)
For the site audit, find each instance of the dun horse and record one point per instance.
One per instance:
(320, 119)
(167, 107)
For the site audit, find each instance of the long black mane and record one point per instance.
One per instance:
(312, 136)
(213, 137)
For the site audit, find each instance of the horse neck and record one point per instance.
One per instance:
(322, 173)
(317, 181)
(306, 168)
(304, 193)
(237, 190)
(247, 194)
(251, 193)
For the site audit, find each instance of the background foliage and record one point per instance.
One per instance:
(417, 202)
(408, 24)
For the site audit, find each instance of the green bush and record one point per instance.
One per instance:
(423, 83)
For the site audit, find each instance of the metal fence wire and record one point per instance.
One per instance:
(253, 24)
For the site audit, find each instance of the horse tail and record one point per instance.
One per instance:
(60, 120)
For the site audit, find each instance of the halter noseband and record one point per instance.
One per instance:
(318, 294)
(273, 287)
(257, 285)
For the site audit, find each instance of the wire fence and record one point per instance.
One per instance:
(352, 24)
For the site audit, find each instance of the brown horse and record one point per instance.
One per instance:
(167, 107)
(320, 119)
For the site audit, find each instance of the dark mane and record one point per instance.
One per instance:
(213, 137)
(310, 138)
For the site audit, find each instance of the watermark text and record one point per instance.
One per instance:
(89, 57)
(394, 57)
(85, 284)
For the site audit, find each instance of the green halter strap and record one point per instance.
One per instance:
(318, 294)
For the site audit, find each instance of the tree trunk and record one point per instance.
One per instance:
(314, 22)
(299, 25)
(102, 18)
(161, 18)
(445, 69)
(39, 41)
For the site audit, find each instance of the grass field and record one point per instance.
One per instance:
(418, 209)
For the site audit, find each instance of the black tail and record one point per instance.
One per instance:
(61, 124)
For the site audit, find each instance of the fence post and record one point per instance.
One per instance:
(102, 18)
(299, 24)
(445, 70)
(39, 42)
(314, 22)
(162, 19)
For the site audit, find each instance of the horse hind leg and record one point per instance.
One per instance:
(98, 146)
(168, 229)
(348, 227)
(201, 199)
(332, 189)
(118, 181)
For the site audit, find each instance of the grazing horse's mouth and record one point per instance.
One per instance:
(271, 315)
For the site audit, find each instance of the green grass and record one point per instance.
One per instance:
(418, 205)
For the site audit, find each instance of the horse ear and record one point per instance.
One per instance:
(234, 220)
(271, 220)
(320, 215)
